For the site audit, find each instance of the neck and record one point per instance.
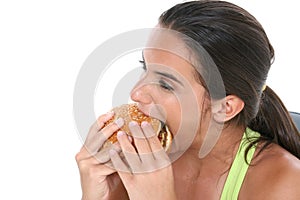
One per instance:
(218, 159)
(206, 176)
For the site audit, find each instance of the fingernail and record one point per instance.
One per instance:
(144, 123)
(133, 123)
(120, 133)
(129, 138)
(119, 122)
(112, 152)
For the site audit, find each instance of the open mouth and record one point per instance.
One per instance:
(163, 134)
(154, 111)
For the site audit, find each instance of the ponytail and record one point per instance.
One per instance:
(275, 124)
(241, 50)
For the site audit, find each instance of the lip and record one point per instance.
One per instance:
(140, 107)
(143, 110)
(152, 111)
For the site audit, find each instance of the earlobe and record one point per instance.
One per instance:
(227, 109)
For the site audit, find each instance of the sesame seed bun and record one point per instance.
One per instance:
(130, 112)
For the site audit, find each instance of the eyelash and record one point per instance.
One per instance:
(162, 83)
(144, 65)
(165, 85)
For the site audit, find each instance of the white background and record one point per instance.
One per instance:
(42, 47)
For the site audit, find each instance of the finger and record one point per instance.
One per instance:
(128, 150)
(153, 162)
(103, 155)
(153, 140)
(98, 124)
(93, 144)
(104, 119)
(140, 141)
(117, 162)
(86, 165)
(161, 157)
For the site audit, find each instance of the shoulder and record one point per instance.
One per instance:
(275, 173)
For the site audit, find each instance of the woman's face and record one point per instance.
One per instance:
(169, 91)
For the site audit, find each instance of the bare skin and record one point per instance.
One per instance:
(273, 174)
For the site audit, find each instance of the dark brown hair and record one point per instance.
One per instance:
(241, 50)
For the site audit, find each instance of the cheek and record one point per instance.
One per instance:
(186, 113)
(181, 111)
(170, 107)
(173, 117)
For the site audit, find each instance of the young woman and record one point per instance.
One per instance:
(256, 153)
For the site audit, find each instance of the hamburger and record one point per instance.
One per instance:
(130, 112)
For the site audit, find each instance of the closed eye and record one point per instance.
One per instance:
(165, 85)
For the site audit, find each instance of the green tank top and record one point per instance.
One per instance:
(239, 167)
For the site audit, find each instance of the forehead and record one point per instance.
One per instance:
(168, 40)
(167, 48)
(168, 61)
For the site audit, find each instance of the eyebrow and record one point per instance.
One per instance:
(170, 76)
(167, 75)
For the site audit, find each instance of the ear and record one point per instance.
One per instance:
(227, 109)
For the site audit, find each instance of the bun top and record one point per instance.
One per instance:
(130, 112)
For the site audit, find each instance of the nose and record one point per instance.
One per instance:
(141, 94)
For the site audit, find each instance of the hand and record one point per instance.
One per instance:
(98, 180)
(147, 171)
